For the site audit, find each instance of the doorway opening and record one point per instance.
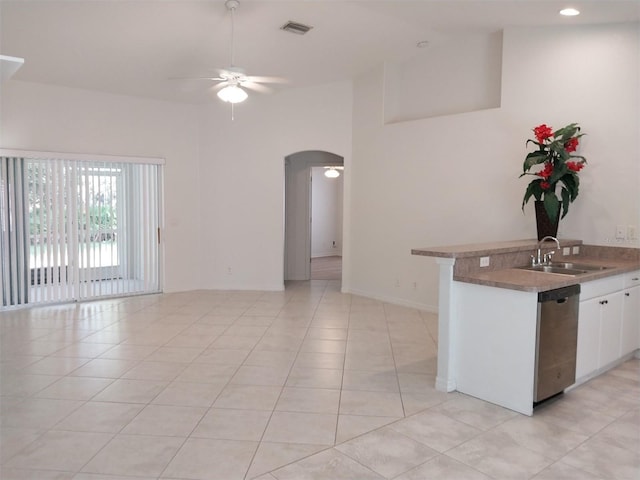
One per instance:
(326, 223)
(313, 216)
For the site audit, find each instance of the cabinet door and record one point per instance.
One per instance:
(630, 337)
(588, 337)
(610, 327)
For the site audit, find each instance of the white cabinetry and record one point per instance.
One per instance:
(630, 336)
(610, 328)
(608, 325)
(588, 338)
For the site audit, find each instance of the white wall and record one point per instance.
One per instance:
(224, 180)
(442, 180)
(50, 118)
(326, 214)
(474, 59)
(242, 177)
(454, 179)
(592, 76)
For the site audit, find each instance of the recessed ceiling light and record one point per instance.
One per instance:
(569, 12)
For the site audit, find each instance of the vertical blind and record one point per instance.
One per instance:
(14, 261)
(76, 229)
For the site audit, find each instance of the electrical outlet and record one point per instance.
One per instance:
(484, 261)
(576, 250)
(620, 232)
(566, 251)
(632, 232)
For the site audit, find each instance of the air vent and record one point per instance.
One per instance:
(294, 27)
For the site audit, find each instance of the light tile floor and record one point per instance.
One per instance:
(307, 383)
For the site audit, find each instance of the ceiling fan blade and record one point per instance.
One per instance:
(262, 79)
(217, 79)
(257, 87)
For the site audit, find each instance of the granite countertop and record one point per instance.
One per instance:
(530, 281)
(617, 260)
(481, 249)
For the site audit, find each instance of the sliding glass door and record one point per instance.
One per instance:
(81, 229)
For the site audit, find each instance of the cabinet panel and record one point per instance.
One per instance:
(588, 337)
(630, 337)
(610, 328)
(599, 332)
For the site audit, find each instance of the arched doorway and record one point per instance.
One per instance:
(298, 208)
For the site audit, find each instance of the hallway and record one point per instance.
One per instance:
(326, 268)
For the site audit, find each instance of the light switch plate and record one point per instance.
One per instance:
(566, 251)
(484, 261)
(576, 250)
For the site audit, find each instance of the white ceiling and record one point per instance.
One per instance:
(135, 47)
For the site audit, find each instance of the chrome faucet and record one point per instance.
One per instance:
(539, 258)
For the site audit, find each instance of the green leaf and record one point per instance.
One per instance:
(572, 184)
(565, 133)
(559, 171)
(532, 189)
(565, 202)
(579, 156)
(551, 205)
(534, 158)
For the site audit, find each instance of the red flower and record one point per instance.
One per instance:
(575, 166)
(571, 145)
(544, 185)
(548, 170)
(542, 132)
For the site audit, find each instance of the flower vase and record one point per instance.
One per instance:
(544, 224)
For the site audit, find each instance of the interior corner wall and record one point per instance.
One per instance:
(242, 178)
(57, 119)
(454, 179)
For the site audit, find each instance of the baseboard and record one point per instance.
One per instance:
(246, 287)
(603, 369)
(445, 385)
(393, 300)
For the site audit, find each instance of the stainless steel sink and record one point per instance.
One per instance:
(554, 269)
(564, 268)
(578, 266)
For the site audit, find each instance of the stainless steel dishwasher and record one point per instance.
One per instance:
(556, 342)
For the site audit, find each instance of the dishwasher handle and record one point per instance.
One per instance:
(559, 293)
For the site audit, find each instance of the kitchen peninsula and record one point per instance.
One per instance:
(487, 314)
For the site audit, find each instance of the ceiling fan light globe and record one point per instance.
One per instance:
(232, 94)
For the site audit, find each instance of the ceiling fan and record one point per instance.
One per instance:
(233, 79)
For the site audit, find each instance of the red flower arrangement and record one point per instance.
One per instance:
(560, 167)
